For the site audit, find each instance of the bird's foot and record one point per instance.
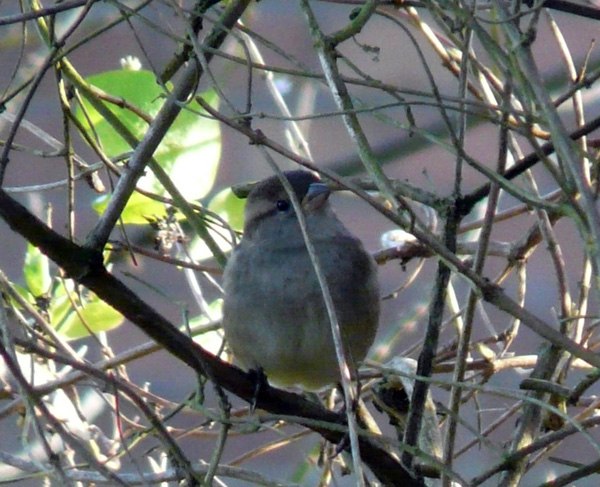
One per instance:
(353, 406)
(259, 378)
(344, 444)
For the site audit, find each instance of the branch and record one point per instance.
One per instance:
(86, 267)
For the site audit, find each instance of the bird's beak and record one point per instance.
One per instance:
(317, 195)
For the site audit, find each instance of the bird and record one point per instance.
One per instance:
(274, 316)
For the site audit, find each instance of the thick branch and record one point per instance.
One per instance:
(86, 267)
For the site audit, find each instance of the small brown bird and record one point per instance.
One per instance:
(274, 315)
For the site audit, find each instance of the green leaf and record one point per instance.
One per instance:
(60, 304)
(229, 207)
(189, 153)
(137, 88)
(139, 209)
(24, 293)
(98, 316)
(37, 271)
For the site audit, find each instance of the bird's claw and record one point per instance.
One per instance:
(259, 378)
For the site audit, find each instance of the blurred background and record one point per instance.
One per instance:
(390, 50)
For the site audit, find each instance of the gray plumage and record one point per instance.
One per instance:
(274, 315)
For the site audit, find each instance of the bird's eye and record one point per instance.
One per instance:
(283, 205)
